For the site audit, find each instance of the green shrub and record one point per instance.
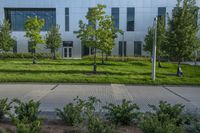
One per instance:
(24, 55)
(5, 131)
(5, 107)
(71, 114)
(96, 124)
(123, 114)
(165, 119)
(153, 124)
(93, 123)
(22, 126)
(193, 122)
(29, 110)
(82, 113)
(26, 116)
(74, 113)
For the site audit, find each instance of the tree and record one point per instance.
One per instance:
(107, 34)
(161, 39)
(6, 40)
(99, 33)
(53, 40)
(182, 31)
(33, 27)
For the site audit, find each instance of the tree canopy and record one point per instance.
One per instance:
(53, 40)
(6, 40)
(182, 30)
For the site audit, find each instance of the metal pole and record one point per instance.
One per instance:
(154, 51)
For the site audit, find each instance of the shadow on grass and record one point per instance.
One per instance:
(86, 72)
(170, 74)
(81, 64)
(138, 64)
(163, 67)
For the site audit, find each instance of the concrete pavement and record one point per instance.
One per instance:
(57, 95)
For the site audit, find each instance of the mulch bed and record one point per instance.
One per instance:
(60, 127)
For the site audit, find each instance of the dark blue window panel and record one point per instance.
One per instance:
(115, 16)
(130, 19)
(66, 19)
(14, 46)
(137, 48)
(67, 44)
(161, 11)
(18, 17)
(122, 48)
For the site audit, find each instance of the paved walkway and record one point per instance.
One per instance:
(57, 95)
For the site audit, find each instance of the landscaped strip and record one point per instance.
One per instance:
(80, 71)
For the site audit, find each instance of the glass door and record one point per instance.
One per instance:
(67, 52)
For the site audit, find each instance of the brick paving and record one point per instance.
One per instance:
(56, 96)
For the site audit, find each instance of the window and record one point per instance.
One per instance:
(122, 48)
(66, 19)
(85, 50)
(14, 46)
(31, 47)
(18, 17)
(161, 11)
(130, 19)
(137, 48)
(115, 15)
(67, 44)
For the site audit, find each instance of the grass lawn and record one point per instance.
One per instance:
(79, 71)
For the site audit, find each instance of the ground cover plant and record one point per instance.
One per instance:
(79, 71)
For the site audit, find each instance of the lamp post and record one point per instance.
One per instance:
(154, 50)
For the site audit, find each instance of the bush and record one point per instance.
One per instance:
(123, 114)
(26, 116)
(193, 123)
(92, 120)
(165, 119)
(74, 113)
(24, 55)
(29, 110)
(71, 114)
(82, 113)
(22, 126)
(97, 125)
(4, 107)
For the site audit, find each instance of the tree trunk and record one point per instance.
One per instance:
(95, 66)
(54, 55)
(159, 62)
(34, 58)
(102, 58)
(33, 52)
(106, 57)
(179, 70)
(195, 59)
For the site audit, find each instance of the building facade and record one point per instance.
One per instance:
(131, 16)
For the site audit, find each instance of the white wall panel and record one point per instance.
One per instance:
(145, 11)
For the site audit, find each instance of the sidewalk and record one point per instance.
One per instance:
(57, 95)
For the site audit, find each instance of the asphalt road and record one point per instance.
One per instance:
(57, 95)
